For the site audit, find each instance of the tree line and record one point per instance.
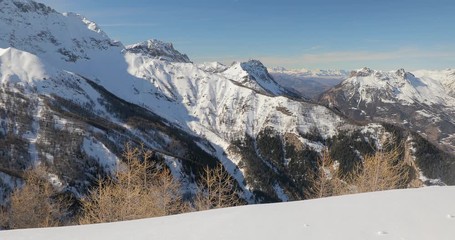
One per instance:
(141, 188)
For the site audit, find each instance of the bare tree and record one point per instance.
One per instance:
(138, 189)
(216, 189)
(381, 171)
(326, 180)
(33, 205)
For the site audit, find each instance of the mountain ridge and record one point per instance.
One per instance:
(422, 102)
(110, 95)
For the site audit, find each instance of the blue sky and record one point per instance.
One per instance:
(350, 34)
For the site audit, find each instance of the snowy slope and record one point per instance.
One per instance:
(446, 78)
(69, 42)
(418, 214)
(218, 104)
(213, 67)
(33, 76)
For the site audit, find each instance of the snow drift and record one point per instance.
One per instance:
(417, 214)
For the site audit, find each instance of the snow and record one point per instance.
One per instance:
(101, 153)
(424, 98)
(444, 77)
(425, 87)
(33, 135)
(16, 65)
(280, 193)
(254, 75)
(176, 168)
(413, 214)
(424, 113)
(213, 67)
(208, 104)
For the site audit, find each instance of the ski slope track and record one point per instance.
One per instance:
(417, 214)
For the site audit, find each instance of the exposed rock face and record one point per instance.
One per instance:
(159, 50)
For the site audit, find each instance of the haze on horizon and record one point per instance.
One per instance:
(324, 34)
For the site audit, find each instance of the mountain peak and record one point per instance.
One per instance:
(36, 28)
(159, 50)
(254, 75)
(256, 68)
(251, 71)
(25, 6)
(401, 73)
(364, 72)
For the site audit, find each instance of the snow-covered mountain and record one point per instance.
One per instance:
(253, 74)
(418, 214)
(160, 50)
(310, 83)
(71, 98)
(446, 77)
(422, 101)
(58, 38)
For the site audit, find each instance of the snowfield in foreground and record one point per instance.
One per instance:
(427, 213)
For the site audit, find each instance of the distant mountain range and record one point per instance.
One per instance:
(309, 83)
(71, 98)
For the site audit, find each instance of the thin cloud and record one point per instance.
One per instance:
(350, 57)
(371, 56)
